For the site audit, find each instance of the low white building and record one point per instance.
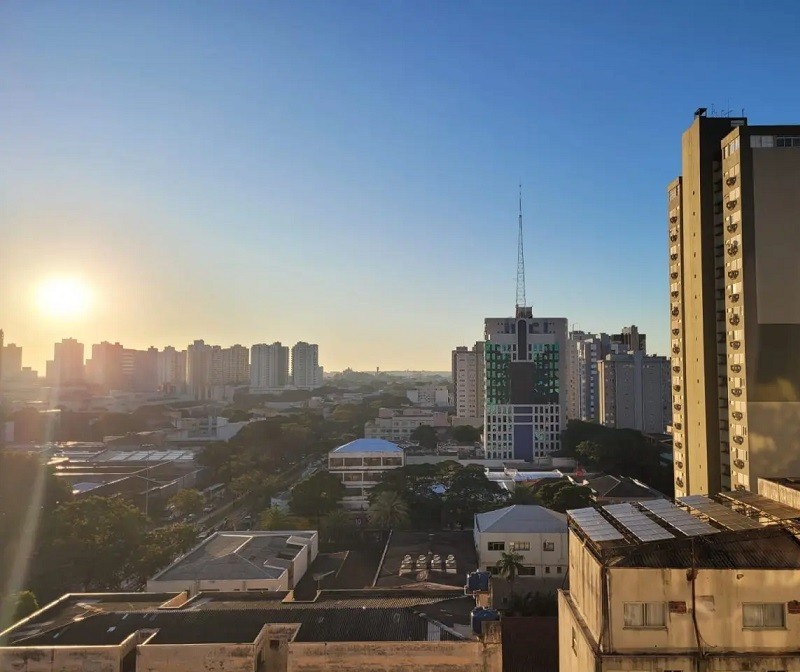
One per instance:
(430, 395)
(360, 465)
(398, 425)
(241, 561)
(538, 534)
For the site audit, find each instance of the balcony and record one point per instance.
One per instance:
(732, 227)
(733, 249)
(736, 368)
(737, 415)
(735, 344)
(734, 298)
(673, 219)
(739, 440)
(733, 274)
(736, 391)
(731, 204)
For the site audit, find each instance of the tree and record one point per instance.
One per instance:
(25, 606)
(466, 434)
(91, 543)
(274, 518)
(522, 494)
(470, 492)
(187, 501)
(572, 497)
(509, 565)
(425, 436)
(338, 527)
(160, 547)
(388, 511)
(317, 495)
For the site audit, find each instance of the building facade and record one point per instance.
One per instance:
(635, 392)
(525, 396)
(735, 316)
(393, 425)
(537, 534)
(711, 599)
(171, 364)
(11, 365)
(468, 381)
(235, 365)
(430, 395)
(67, 366)
(269, 366)
(361, 465)
(306, 371)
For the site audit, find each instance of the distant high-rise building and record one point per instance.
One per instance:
(735, 314)
(199, 362)
(585, 351)
(468, 381)
(171, 368)
(105, 367)
(306, 372)
(630, 340)
(11, 364)
(67, 367)
(235, 365)
(269, 366)
(634, 391)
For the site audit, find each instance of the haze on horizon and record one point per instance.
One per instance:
(346, 172)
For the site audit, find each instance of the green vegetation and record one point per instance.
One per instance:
(388, 511)
(317, 496)
(443, 494)
(425, 436)
(531, 604)
(620, 452)
(188, 501)
(466, 434)
(338, 528)
(562, 494)
(509, 566)
(26, 605)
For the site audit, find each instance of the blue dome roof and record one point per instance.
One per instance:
(369, 446)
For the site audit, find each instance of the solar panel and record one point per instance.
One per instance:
(763, 504)
(679, 518)
(719, 513)
(594, 525)
(639, 525)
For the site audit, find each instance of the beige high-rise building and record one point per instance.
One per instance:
(735, 305)
(468, 381)
(634, 391)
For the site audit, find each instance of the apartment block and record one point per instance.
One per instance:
(468, 381)
(306, 371)
(10, 361)
(269, 366)
(398, 425)
(735, 311)
(635, 392)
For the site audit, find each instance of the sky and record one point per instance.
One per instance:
(346, 173)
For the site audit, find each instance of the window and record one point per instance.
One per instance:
(559, 569)
(527, 571)
(549, 546)
(645, 615)
(763, 615)
(520, 545)
(497, 546)
(546, 570)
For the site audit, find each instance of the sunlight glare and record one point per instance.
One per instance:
(63, 297)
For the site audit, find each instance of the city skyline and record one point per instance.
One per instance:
(267, 172)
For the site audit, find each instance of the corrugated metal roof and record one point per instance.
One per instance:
(521, 518)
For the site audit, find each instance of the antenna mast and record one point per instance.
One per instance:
(520, 260)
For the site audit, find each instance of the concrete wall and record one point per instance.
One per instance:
(194, 587)
(456, 656)
(196, 658)
(779, 493)
(585, 581)
(537, 557)
(62, 659)
(720, 594)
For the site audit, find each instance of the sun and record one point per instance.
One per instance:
(63, 297)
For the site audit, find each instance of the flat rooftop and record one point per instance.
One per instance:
(239, 555)
(729, 532)
(441, 558)
(216, 617)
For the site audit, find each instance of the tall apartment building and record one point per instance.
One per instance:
(525, 377)
(105, 366)
(735, 304)
(634, 392)
(630, 340)
(171, 365)
(468, 381)
(269, 366)
(198, 369)
(67, 366)
(306, 371)
(11, 364)
(235, 363)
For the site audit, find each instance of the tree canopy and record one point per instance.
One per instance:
(317, 495)
(425, 436)
(187, 501)
(388, 511)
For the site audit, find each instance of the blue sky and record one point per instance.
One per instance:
(346, 172)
